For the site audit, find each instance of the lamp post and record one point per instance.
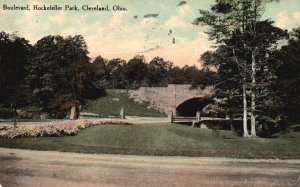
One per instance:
(14, 107)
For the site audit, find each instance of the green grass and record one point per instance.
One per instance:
(112, 103)
(165, 140)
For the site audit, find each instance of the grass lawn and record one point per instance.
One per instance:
(112, 103)
(165, 139)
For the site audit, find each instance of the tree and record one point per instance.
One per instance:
(135, 71)
(175, 75)
(197, 77)
(158, 72)
(235, 25)
(289, 77)
(115, 69)
(42, 75)
(14, 55)
(98, 72)
(227, 87)
(226, 20)
(58, 74)
(264, 47)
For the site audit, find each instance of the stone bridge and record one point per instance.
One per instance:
(167, 99)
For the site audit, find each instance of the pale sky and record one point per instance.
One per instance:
(124, 34)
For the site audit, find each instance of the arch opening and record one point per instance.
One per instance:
(189, 107)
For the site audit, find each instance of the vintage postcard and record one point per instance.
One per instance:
(149, 93)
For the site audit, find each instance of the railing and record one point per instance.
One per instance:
(180, 119)
(89, 115)
(197, 119)
(183, 119)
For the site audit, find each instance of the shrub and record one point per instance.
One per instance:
(6, 113)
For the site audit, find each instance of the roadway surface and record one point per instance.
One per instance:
(50, 168)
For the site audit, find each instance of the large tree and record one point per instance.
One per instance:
(289, 77)
(58, 73)
(228, 83)
(14, 55)
(237, 26)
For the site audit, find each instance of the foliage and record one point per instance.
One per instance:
(14, 56)
(289, 77)
(245, 43)
(119, 74)
(6, 113)
(136, 71)
(158, 70)
(228, 88)
(58, 73)
(114, 70)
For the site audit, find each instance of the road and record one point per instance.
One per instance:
(50, 168)
(129, 119)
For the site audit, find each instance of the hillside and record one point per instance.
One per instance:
(114, 100)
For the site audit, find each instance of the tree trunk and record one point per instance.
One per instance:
(253, 95)
(245, 128)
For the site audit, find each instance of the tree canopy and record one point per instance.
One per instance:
(245, 43)
(14, 57)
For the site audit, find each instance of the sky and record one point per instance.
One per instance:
(166, 32)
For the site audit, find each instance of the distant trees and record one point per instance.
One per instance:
(198, 77)
(158, 70)
(136, 71)
(118, 73)
(98, 72)
(115, 70)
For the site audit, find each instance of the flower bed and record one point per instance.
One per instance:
(61, 128)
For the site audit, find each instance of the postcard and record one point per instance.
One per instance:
(149, 93)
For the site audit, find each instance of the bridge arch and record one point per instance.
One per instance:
(189, 107)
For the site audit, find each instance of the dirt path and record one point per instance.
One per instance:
(129, 119)
(47, 168)
(147, 120)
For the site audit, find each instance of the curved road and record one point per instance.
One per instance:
(49, 168)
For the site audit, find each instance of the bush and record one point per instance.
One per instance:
(217, 125)
(6, 113)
